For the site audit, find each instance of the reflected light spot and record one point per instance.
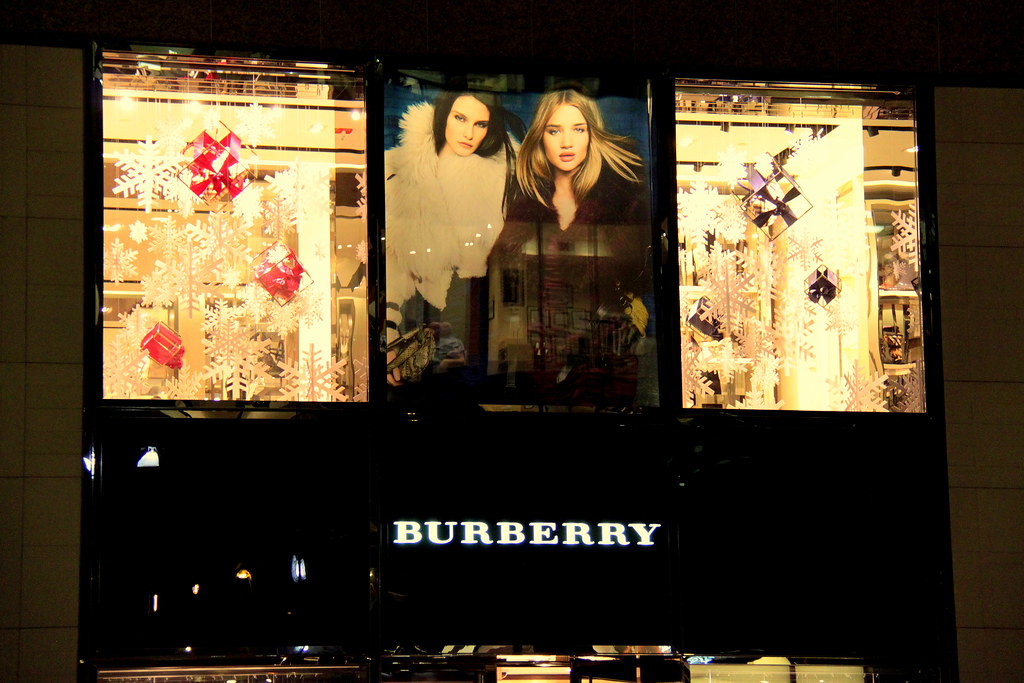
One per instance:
(195, 589)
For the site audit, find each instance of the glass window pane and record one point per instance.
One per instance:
(798, 247)
(234, 235)
(518, 228)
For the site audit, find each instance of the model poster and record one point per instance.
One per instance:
(518, 240)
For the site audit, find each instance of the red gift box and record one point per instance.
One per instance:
(164, 346)
(210, 174)
(280, 272)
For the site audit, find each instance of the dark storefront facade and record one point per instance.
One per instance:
(682, 423)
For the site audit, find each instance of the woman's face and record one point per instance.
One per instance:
(566, 138)
(466, 126)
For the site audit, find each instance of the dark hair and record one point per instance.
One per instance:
(497, 130)
(497, 138)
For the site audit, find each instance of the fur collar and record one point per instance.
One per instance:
(443, 213)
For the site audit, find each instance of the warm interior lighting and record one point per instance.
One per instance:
(827, 182)
(204, 239)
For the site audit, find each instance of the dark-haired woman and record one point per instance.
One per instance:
(446, 186)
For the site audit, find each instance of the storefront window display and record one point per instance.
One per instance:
(799, 270)
(244, 674)
(234, 244)
(518, 240)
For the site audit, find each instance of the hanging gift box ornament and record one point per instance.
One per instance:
(212, 174)
(701, 319)
(823, 285)
(774, 201)
(280, 272)
(164, 346)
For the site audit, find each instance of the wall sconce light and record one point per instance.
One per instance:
(149, 459)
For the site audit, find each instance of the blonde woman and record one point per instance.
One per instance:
(577, 236)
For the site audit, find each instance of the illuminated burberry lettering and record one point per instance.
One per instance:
(533, 533)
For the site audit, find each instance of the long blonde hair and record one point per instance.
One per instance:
(533, 170)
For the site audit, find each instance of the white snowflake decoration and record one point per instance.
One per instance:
(732, 166)
(187, 384)
(859, 390)
(235, 353)
(149, 174)
(137, 231)
(119, 262)
(361, 205)
(124, 361)
(904, 235)
(257, 124)
(313, 379)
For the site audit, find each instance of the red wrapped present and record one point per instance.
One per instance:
(164, 346)
(280, 272)
(211, 174)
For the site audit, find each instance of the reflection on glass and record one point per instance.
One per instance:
(518, 232)
(234, 229)
(798, 247)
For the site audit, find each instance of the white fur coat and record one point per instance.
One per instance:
(443, 214)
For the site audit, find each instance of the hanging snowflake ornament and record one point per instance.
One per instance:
(137, 231)
(859, 390)
(124, 362)
(185, 385)
(119, 262)
(361, 185)
(124, 366)
(235, 352)
(904, 235)
(172, 135)
(732, 166)
(149, 174)
(313, 379)
(257, 124)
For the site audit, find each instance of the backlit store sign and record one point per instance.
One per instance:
(407, 532)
